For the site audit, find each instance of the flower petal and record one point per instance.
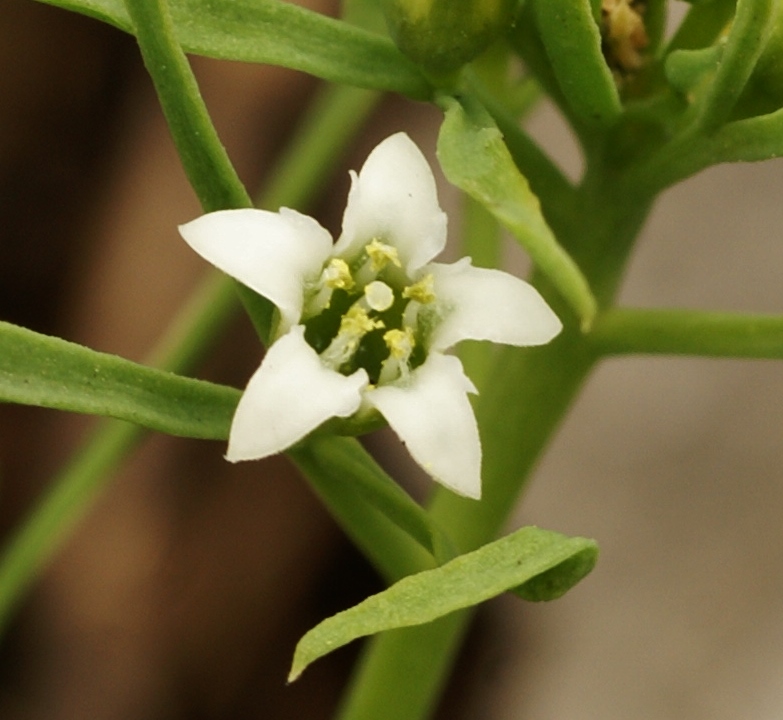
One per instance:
(482, 304)
(432, 415)
(271, 253)
(290, 395)
(394, 198)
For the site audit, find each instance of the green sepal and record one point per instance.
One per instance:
(511, 563)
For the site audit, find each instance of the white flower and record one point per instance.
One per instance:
(363, 322)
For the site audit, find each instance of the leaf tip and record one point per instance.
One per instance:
(297, 668)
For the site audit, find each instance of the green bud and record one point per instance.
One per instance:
(442, 35)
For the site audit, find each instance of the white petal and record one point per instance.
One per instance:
(482, 304)
(271, 253)
(290, 395)
(394, 198)
(432, 415)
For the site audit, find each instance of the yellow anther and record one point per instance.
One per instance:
(381, 255)
(397, 366)
(400, 343)
(356, 323)
(422, 291)
(337, 275)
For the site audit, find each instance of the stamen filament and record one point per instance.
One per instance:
(355, 324)
(335, 275)
(397, 365)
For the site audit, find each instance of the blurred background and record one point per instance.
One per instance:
(182, 595)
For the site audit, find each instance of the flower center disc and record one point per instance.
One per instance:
(367, 315)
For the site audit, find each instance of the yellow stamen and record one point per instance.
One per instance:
(397, 365)
(354, 325)
(400, 343)
(381, 255)
(357, 323)
(422, 291)
(337, 275)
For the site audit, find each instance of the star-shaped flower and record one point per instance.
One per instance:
(363, 323)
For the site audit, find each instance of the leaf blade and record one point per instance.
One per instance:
(277, 33)
(46, 371)
(505, 564)
(475, 158)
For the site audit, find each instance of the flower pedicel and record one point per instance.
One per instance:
(363, 323)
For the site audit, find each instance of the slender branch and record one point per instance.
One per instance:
(399, 539)
(203, 156)
(749, 140)
(192, 331)
(626, 331)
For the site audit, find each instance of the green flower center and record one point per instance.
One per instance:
(369, 314)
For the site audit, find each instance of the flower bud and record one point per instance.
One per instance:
(442, 35)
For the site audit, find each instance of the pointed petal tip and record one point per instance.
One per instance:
(273, 254)
(394, 197)
(433, 417)
(288, 397)
(489, 304)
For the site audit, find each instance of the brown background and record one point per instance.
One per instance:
(182, 594)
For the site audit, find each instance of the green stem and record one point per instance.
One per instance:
(203, 156)
(625, 331)
(403, 672)
(749, 140)
(61, 509)
(398, 541)
(702, 25)
(189, 335)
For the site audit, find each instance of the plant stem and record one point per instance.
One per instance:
(626, 331)
(203, 156)
(402, 672)
(192, 331)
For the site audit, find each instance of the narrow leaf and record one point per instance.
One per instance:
(749, 33)
(573, 44)
(470, 579)
(475, 158)
(277, 33)
(49, 372)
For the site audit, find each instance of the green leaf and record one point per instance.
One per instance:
(749, 32)
(49, 372)
(573, 43)
(687, 69)
(475, 158)
(470, 579)
(278, 33)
